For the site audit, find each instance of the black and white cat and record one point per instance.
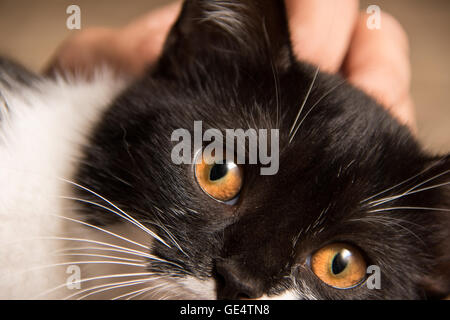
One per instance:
(92, 206)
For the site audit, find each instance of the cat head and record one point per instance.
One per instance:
(355, 210)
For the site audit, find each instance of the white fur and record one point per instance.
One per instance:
(200, 289)
(40, 137)
(287, 295)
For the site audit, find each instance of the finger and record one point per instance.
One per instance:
(142, 41)
(82, 52)
(128, 50)
(321, 30)
(378, 63)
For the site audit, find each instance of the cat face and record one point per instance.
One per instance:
(354, 192)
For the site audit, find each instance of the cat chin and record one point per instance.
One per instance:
(286, 295)
(206, 290)
(42, 129)
(194, 288)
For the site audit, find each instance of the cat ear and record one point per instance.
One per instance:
(437, 284)
(209, 31)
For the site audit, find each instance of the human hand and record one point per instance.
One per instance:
(329, 33)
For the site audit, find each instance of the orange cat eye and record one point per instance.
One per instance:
(221, 180)
(339, 265)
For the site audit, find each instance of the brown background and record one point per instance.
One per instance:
(31, 30)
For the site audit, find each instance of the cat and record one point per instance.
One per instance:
(93, 207)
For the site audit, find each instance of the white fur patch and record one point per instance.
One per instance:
(287, 295)
(199, 289)
(40, 138)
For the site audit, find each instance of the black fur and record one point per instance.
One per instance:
(348, 149)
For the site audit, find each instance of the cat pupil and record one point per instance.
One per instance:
(340, 262)
(218, 171)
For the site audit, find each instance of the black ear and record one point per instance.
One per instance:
(248, 31)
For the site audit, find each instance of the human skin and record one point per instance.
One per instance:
(329, 33)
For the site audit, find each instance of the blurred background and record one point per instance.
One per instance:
(31, 30)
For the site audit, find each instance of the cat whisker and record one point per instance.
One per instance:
(169, 294)
(99, 256)
(103, 249)
(110, 286)
(151, 290)
(105, 277)
(407, 192)
(136, 293)
(385, 200)
(124, 238)
(313, 107)
(274, 72)
(409, 208)
(171, 236)
(178, 267)
(88, 262)
(401, 183)
(149, 256)
(93, 262)
(159, 224)
(103, 230)
(121, 213)
(319, 219)
(304, 102)
(132, 294)
(390, 222)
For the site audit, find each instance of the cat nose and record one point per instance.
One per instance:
(233, 283)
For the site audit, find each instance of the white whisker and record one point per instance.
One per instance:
(407, 192)
(110, 286)
(142, 291)
(149, 256)
(313, 107)
(304, 101)
(409, 208)
(390, 222)
(104, 249)
(169, 234)
(132, 294)
(121, 213)
(87, 262)
(99, 256)
(123, 275)
(384, 200)
(399, 184)
(137, 293)
(274, 72)
(105, 231)
(156, 290)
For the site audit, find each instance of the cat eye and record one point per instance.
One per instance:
(220, 179)
(339, 265)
